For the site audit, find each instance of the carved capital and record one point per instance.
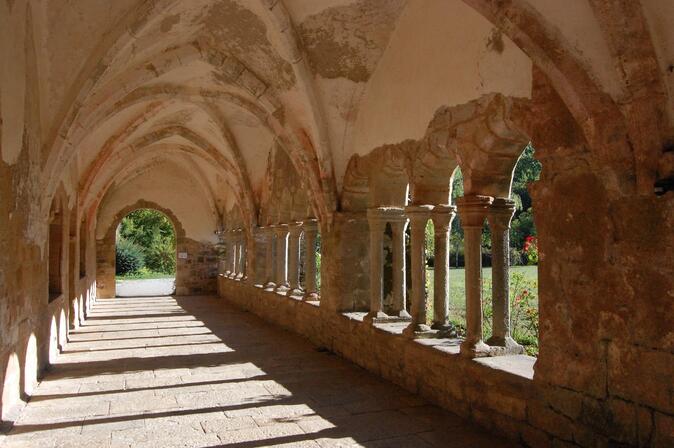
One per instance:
(473, 210)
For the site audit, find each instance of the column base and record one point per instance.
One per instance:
(419, 331)
(269, 286)
(399, 316)
(296, 292)
(282, 289)
(474, 349)
(499, 346)
(445, 329)
(311, 297)
(377, 317)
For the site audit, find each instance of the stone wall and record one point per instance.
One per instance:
(500, 393)
(482, 390)
(196, 262)
(196, 274)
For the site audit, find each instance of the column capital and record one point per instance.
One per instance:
(295, 227)
(280, 228)
(473, 210)
(443, 215)
(419, 212)
(385, 214)
(310, 225)
(501, 212)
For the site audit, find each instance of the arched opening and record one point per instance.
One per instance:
(55, 250)
(53, 340)
(30, 366)
(522, 257)
(11, 388)
(145, 254)
(83, 247)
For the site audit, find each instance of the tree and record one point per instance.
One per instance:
(152, 232)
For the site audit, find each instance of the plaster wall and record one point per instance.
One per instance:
(579, 26)
(448, 61)
(168, 186)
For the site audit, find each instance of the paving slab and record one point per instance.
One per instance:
(214, 376)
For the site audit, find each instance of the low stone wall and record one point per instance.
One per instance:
(496, 392)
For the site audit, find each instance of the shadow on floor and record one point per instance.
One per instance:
(249, 385)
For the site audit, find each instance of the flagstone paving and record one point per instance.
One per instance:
(194, 372)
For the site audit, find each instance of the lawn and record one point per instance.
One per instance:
(457, 282)
(144, 274)
(524, 306)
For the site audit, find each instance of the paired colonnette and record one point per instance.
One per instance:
(473, 211)
(283, 264)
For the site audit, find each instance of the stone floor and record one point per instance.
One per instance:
(145, 287)
(193, 372)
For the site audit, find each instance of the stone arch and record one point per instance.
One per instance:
(299, 146)
(596, 114)
(149, 155)
(200, 145)
(194, 275)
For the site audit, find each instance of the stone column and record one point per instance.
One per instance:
(377, 224)
(295, 233)
(399, 284)
(499, 217)
(419, 215)
(227, 256)
(282, 285)
(270, 272)
(442, 217)
(234, 255)
(242, 255)
(310, 232)
(473, 211)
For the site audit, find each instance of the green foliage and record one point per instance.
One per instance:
(129, 257)
(523, 311)
(161, 256)
(521, 227)
(430, 243)
(152, 232)
(527, 170)
(143, 274)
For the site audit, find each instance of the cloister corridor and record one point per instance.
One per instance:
(375, 222)
(194, 372)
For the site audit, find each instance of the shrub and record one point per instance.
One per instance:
(523, 311)
(161, 257)
(531, 250)
(129, 257)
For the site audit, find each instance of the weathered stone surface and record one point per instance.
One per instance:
(168, 398)
(231, 116)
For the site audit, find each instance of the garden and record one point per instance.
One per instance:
(146, 246)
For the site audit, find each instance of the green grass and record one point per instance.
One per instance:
(457, 286)
(144, 274)
(521, 278)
